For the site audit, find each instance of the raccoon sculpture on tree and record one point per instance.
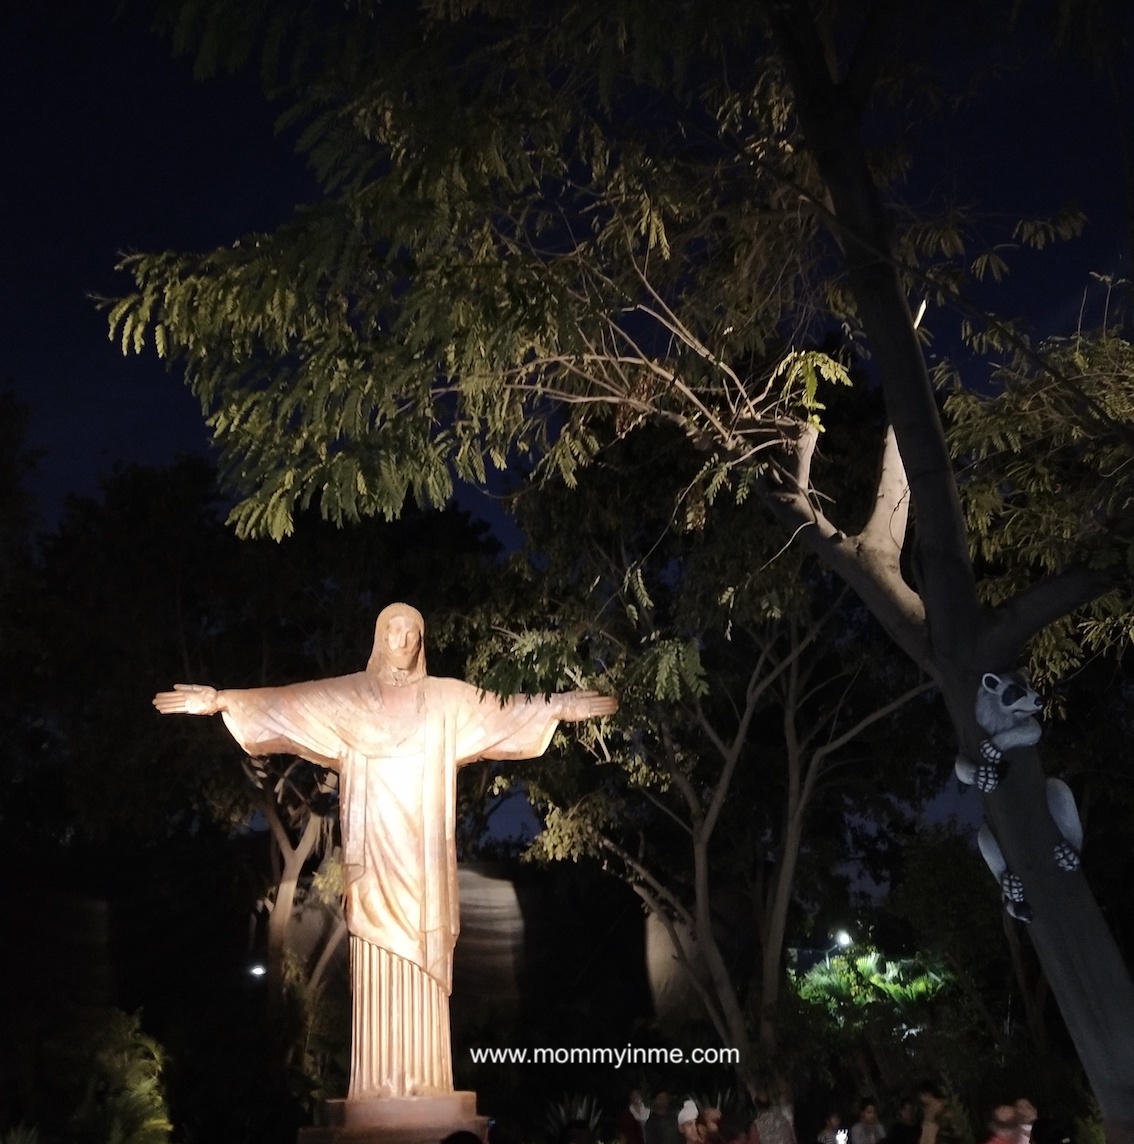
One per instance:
(1011, 885)
(1005, 710)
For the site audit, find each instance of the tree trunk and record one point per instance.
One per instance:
(1033, 1014)
(1088, 978)
(279, 920)
(772, 953)
(334, 940)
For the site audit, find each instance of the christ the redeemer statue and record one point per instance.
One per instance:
(396, 736)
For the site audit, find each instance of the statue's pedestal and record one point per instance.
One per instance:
(397, 1120)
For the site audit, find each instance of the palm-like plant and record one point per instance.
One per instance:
(570, 1108)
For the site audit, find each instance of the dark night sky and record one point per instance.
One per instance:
(111, 145)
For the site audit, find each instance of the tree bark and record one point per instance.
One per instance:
(1088, 977)
(292, 860)
(772, 953)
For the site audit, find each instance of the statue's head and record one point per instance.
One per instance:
(399, 645)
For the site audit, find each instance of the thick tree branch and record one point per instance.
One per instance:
(333, 943)
(830, 121)
(886, 528)
(868, 54)
(1015, 621)
(867, 563)
(696, 811)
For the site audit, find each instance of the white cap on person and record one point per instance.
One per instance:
(688, 1112)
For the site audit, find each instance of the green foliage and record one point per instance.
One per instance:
(318, 1061)
(944, 893)
(21, 1134)
(124, 1102)
(508, 255)
(328, 881)
(893, 1021)
(850, 986)
(1048, 484)
(691, 625)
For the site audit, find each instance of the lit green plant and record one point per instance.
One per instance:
(21, 1134)
(124, 1102)
(855, 982)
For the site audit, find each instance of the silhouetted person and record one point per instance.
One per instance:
(632, 1119)
(868, 1129)
(462, 1136)
(661, 1128)
(938, 1120)
(1036, 1129)
(575, 1132)
(1003, 1125)
(829, 1133)
(905, 1128)
(687, 1122)
(505, 1130)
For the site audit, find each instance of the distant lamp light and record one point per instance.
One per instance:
(258, 970)
(843, 941)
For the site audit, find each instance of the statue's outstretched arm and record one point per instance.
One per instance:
(575, 706)
(190, 699)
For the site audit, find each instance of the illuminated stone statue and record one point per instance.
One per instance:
(396, 736)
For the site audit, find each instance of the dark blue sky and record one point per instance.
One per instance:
(111, 145)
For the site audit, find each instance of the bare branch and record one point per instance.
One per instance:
(653, 800)
(836, 743)
(873, 576)
(696, 812)
(663, 894)
(723, 748)
(333, 942)
(886, 527)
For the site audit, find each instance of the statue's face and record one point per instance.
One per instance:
(403, 642)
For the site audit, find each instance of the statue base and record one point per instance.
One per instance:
(397, 1120)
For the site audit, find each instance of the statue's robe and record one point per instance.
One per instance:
(397, 762)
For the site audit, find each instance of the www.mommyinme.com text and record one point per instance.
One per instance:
(627, 1055)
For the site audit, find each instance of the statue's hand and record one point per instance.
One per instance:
(579, 705)
(188, 699)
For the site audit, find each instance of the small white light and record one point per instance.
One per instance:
(257, 970)
(843, 938)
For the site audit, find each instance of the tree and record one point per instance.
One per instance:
(891, 1022)
(745, 730)
(643, 211)
(939, 620)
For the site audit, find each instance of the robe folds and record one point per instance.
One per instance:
(397, 803)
